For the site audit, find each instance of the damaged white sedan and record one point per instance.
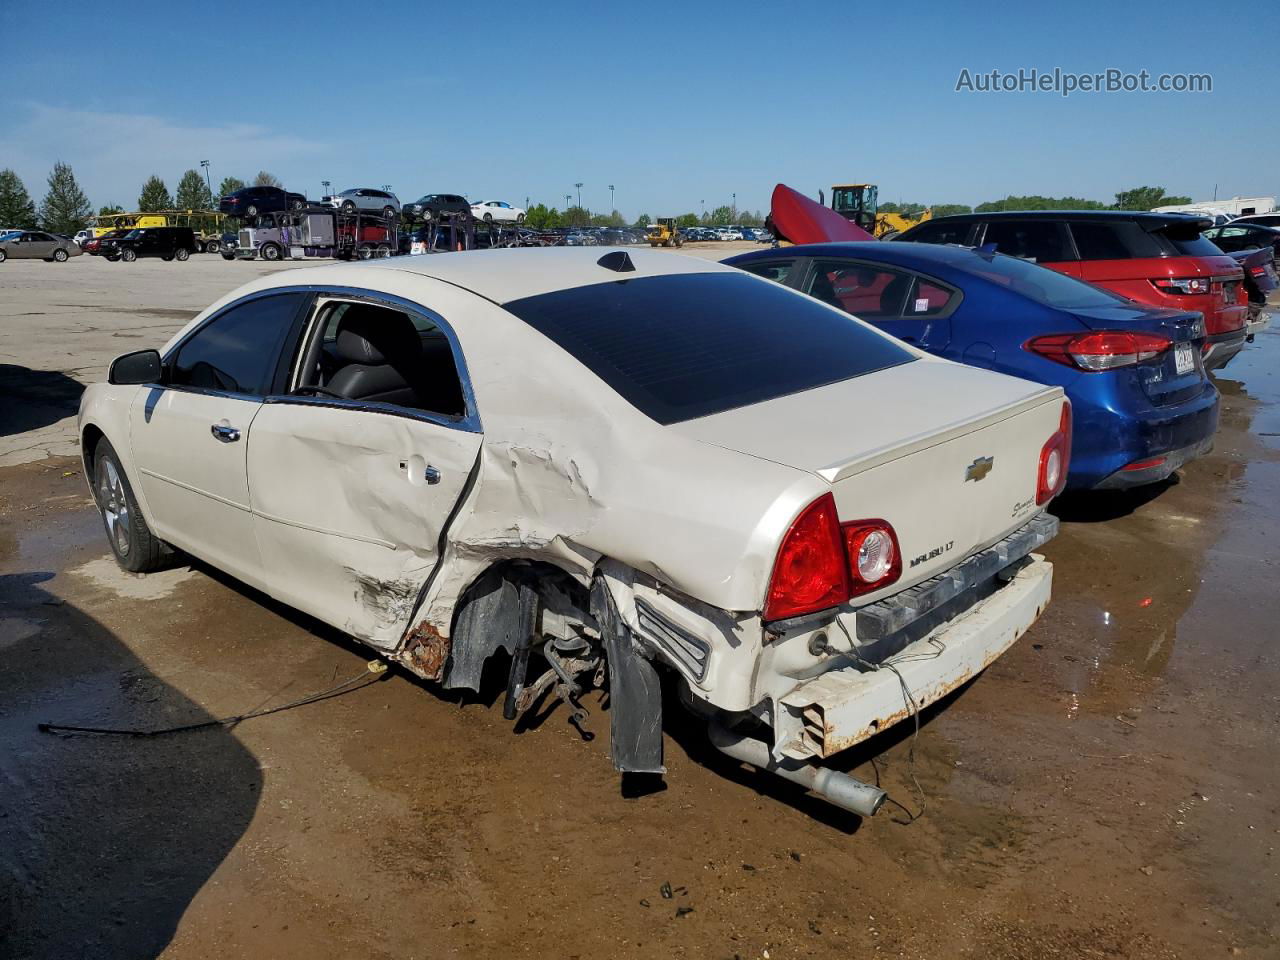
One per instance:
(621, 470)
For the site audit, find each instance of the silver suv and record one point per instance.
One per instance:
(365, 198)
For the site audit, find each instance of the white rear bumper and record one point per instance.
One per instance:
(843, 707)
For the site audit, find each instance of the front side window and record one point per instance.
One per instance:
(683, 346)
(1040, 241)
(236, 351)
(776, 270)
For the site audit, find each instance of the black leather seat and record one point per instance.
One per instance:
(381, 356)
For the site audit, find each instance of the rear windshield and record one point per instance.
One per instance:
(690, 345)
(1041, 284)
(1186, 241)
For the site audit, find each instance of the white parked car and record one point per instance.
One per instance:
(368, 199)
(643, 467)
(497, 210)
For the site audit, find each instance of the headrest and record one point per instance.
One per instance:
(375, 336)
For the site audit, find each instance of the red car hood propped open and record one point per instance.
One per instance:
(802, 220)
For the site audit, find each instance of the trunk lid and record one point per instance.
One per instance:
(947, 454)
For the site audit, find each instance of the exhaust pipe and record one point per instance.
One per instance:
(835, 787)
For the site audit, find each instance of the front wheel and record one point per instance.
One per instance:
(519, 218)
(383, 251)
(488, 218)
(60, 256)
(182, 253)
(251, 211)
(228, 256)
(213, 246)
(348, 207)
(389, 212)
(136, 548)
(3, 256)
(270, 252)
(128, 255)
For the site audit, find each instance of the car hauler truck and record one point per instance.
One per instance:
(318, 233)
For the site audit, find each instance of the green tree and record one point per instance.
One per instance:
(614, 219)
(109, 208)
(264, 179)
(230, 185)
(721, 216)
(1146, 198)
(950, 209)
(16, 208)
(193, 192)
(643, 220)
(748, 219)
(687, 220)
(1036, 202)
(154, 196)
(577, 216)
(65, 208)
(542, 217)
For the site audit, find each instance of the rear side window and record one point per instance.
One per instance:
(236, 351)
(1113, 240)
(1040, 241)
(864, 290)
(1178, 240)
(941, 231)
(691, 345)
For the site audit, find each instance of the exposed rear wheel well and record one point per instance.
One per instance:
(88, 444)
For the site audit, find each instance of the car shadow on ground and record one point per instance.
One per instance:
(1099, 506)
(104, 840)
(30, 399)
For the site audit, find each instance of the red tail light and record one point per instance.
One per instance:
(1183, 286)
(1100, 349)
(1055, 457)
(810, 572)
(822, 562)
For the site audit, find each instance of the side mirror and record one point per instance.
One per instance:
(133, 368)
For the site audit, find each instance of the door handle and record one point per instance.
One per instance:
(224, 432)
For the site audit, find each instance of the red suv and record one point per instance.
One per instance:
(1155, 258)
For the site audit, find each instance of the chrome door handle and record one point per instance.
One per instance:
(432, 475)
(225, 432)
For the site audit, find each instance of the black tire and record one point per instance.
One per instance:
(488, 218)
(167, 257)
(128, 255)
(212, 246)
(251, 211)
(270, 251)
(364, 251)
(383, 251)
(297, 204)
(3, 256)
(889, 234)
(228, 256)
(519, 218)
(181, 254)
(428, 214)
(60, 255)
(136, 548)
(389, 212)
(348, 206)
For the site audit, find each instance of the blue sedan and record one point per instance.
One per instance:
(1142, 403)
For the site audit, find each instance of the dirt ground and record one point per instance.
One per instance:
(1109, 788)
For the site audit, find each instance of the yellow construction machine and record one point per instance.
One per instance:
(663, 233)
(858, 202)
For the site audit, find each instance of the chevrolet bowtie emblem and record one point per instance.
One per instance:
(979, 468)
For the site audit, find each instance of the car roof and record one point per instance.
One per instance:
(919, 256)
(1146, 218)
(503, 275)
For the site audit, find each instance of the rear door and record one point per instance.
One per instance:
(352, 494)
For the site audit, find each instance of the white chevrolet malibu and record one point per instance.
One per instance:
(621, 470)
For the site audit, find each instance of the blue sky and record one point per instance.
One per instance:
(673, 103)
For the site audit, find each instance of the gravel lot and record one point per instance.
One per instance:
(1109, 788)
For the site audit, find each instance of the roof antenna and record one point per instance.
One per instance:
(618, 260)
